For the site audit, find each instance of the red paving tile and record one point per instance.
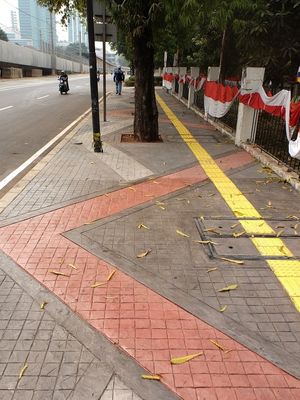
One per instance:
(147, 326)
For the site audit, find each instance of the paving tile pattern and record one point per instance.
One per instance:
(77, 171)
(116, 390)
(144, 324)
(28, 335)
(260, 303)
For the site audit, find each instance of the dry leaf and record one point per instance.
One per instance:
(111, 275)
(234, 226)
(214, 230)
(228, 288)
(282, 250)
(160, 203)
(295, 226)
(183, 359)
(223, 309)
(238, 234)
(151, 377)
(183, 199)
(155, 182)
(240, 262)
(293, 217)
(43, 305)
(131, 188)
(205, 242)
(143, 226)
(59, 273)
(72, 266)
(182, 233)
(279, 233)
(144, 254)
(218, 345)
(211, 194)
(237, 212)
(62, 260)
(96, 284)
(211, 269)
(23, 371)
(105, 194)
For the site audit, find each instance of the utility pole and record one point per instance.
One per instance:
(104, 62)
(80, 50)
(53, 57)
(93, 78)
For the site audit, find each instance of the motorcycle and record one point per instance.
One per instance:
(63, 85)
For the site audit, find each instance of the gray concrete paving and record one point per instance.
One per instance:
(65, 357)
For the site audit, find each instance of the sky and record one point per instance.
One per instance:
(5, 20)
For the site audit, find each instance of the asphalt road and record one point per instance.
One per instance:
(32, 112)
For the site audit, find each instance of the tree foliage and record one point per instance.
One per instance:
(3, 35)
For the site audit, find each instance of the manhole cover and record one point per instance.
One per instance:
(227, 237)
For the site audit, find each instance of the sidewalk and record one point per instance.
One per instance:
(202, 215)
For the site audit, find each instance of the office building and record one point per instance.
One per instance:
(37, 24)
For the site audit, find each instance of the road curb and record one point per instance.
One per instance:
(15, 182)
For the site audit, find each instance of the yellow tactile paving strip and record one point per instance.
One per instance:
(287, 271)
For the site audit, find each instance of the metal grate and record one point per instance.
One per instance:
(199, 99)
(176, 88)
(218, 230)
(185, 91)
(271, 138)
(230, 118)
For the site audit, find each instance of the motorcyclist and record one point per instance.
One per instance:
(64, 76)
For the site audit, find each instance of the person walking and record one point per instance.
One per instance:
(119, 78)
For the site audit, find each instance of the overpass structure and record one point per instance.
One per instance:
(18, 61)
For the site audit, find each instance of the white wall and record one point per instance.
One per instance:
(11, 53)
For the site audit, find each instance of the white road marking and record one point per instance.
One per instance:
(43, 97)
(41, 82)
(5, 108)
(40, 152)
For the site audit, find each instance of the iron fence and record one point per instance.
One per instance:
(176, 88)
(271, 137)
(185, 91)
(199, 99)
(230, 118)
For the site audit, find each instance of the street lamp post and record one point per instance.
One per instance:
(93, 78)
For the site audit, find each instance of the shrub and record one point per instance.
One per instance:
(129, 81)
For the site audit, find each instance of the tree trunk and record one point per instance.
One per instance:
(223, 55)
(146, 114)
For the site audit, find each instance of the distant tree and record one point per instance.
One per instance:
(3, 35)
(74, 49)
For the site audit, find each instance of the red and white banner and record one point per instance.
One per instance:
(278, 105)
(218, 98)
(167, 80)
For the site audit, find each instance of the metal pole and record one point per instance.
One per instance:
(104, 62)
(93, 78)
(80, 50)
(53, 57)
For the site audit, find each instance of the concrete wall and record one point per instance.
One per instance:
(11, 73)
(12, 54)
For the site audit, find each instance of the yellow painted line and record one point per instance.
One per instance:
(287, 271)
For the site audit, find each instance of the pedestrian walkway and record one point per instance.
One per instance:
(159, 248)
